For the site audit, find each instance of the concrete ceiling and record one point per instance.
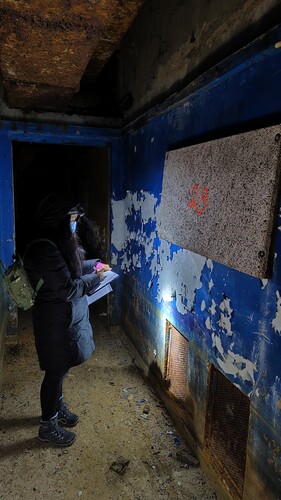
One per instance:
(60, 55)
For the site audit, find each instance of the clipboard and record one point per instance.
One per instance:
(103, 288)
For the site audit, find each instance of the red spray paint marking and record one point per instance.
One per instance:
(203, 199)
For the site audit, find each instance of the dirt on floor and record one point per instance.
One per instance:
(126, 447)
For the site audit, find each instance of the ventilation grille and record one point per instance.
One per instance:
(176, 363)
(227, 430)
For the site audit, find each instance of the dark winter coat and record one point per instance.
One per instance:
(63, 333)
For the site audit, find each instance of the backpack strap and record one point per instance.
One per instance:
(39, 284)
(2, 266)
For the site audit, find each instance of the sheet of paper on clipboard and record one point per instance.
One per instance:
(103, 288)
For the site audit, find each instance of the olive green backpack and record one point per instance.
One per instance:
(18, 284)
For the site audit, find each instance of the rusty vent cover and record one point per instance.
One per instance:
(227, 430)
(176, 363)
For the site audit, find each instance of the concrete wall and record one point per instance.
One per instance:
(173, 42)
(231, 319)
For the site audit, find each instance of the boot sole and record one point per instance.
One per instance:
(61, 445)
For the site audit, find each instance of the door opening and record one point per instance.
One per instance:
(83, 172)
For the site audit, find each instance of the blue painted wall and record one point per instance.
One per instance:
(231, 319)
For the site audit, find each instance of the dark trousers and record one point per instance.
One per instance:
(51, 391)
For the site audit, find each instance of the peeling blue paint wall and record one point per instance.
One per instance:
(231, 319)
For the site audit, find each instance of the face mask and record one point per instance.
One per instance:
(73, 225)
(73, 221)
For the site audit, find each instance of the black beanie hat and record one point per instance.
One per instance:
(52, 209)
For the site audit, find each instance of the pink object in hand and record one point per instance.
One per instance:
(99, 265)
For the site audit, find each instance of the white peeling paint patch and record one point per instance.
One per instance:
(181, 273)
(276, 322)
(114, 259)
(136, 207)
(208, 324)
(120, 231)
(234, 364)
(203, 305)
(136, 259)
(210, 264)
(212, 308)
(276, 390)
(211, 284)
(250, 318)
(225, 316)
(264, 283)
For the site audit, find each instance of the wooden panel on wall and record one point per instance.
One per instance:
(219, 199)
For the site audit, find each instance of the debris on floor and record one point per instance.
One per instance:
(120, 465)
(126, 447)
(185, 457)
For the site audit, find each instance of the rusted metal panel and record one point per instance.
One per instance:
(219, 199)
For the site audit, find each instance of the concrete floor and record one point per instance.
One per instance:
(120, 416)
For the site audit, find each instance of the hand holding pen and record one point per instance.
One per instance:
(100, 268)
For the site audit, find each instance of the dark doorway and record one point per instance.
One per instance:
(83, 172)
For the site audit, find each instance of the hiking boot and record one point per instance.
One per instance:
(65, 417)
(51, 432)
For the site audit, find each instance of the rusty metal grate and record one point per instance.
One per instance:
(176, 363)
(227, 430)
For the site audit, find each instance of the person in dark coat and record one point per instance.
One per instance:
(63, 333)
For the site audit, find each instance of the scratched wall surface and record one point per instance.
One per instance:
(219, 199)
